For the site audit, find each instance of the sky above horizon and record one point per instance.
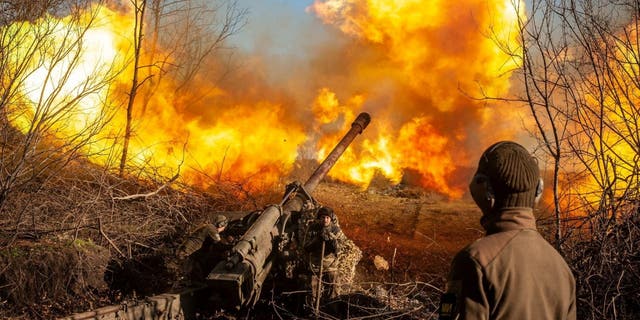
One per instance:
(275, 26)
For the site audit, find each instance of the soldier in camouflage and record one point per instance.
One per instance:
(324, 250)
(201, 250)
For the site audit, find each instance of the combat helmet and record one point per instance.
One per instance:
(325, 211)
(220, 221)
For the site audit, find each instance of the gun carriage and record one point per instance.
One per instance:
(272, 235)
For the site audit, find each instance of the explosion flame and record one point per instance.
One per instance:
(416, 68)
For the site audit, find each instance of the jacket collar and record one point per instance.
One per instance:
(514, 218)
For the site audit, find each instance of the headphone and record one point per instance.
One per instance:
(482, 190)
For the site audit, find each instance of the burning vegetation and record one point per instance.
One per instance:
(124, 123)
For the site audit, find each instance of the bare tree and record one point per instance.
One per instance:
(41, 97)
(580, 77)
(139, 10)
(542, 58)
(541, 53)
(18, 10)
(181, 35)
(606, 67)
(205, 30)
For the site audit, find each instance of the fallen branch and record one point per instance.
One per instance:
(149, 194)
(107, 238)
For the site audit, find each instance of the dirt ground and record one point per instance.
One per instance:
(415, 232)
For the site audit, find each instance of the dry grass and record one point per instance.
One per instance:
(45, 262)
(46, 278)
(607, 269)
(78, 240)
(368, 300)
(417, 234)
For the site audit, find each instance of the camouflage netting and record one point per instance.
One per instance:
(349, 257)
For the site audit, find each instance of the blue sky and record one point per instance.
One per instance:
(277, 26)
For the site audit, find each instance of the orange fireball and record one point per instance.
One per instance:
(416, 69)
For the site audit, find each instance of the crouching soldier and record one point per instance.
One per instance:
(323, 247)
(203, 248)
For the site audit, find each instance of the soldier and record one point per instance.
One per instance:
(323, 247)
(202, 249)
(512, 272)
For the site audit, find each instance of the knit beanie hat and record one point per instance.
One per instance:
(513, 174)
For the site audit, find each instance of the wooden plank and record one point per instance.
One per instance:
(166, 306)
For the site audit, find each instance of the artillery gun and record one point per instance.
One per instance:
(238, 281)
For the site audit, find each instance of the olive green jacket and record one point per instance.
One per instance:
(511, 273)
(196, 239)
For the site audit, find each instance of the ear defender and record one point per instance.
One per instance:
(539, 189)
(482, 192)
(480, 186)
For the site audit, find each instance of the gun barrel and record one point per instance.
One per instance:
(358, 125)
(239, 280)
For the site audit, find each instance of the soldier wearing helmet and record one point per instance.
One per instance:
(323, 246)
(512, 272)
(202, 248)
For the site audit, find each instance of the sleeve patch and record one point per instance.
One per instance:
(447, 310)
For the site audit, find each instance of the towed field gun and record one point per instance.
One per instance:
(267, 240)
(271, 236)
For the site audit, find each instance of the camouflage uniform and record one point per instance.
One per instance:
(202, 249)
(197, 238)
(330, 237)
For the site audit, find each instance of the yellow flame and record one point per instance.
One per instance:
(418, 60)
(249, 143)
(433, 52)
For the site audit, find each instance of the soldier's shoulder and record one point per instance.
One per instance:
(485, 249)
(203, 227)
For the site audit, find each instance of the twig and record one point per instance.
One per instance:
(224, 157)
(393, 263)
(106, 237)
(429, 285)
(288, 293)
(146, 195)
(141, 245)
(273, 305)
